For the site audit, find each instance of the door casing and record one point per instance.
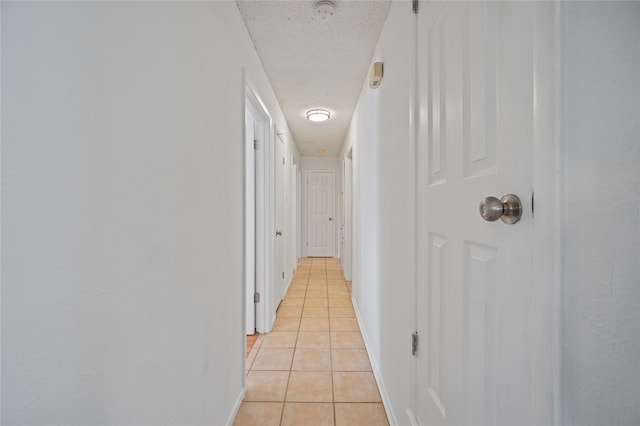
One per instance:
(347, 209)
(264, 214)
(280, 221)
(249, 219)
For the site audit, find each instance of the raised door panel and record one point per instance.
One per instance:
(436, 296)
(437, 101)
(479, 85)
(480, 332)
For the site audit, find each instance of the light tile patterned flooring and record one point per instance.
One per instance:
(313, 368)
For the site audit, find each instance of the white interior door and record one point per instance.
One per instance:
(299, 212)
(293, 222)
(280, 222)
(320, 213)
(475, 362)
(343, 215)
(347, 203)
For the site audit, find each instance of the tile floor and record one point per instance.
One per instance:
(313, 368)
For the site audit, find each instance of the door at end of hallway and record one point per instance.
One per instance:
(320, 213)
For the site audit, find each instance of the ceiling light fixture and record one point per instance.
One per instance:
(318, 115)
(324, 9)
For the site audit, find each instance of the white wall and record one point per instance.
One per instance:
(346, 235)
(320, 163)
(601, 358)
(122, 211)
(383, 211)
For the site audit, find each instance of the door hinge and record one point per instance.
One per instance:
(256, 297)
(414, 6)
(256, 144)
(283, 275)
(414, 344)
(283, 161)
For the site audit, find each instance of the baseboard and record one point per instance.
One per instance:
(386, 402)
(289, 285)
(236, 406)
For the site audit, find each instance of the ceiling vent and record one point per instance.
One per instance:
(324, 9)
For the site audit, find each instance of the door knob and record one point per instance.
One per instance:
(330, 219)
(278, 233)
(508, 208)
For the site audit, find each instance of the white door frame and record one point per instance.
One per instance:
(293, 216)
(346, 254)
(264, 212)
(249, 222)
(280, 165)
(299, 212)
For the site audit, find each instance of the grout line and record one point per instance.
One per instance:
(333, 388)
(318, 265)
(295, 349)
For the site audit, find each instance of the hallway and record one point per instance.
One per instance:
(313, 368)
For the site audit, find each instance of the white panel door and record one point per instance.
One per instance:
(280, 221)
(475, 360)
(320, 210)
(293, 217)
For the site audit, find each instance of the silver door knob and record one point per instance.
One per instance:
(508, 208)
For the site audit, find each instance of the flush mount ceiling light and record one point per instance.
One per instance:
(321, 151)
(318, 115)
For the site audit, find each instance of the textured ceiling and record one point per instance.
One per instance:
(315, 63)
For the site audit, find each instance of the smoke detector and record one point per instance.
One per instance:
(324, 9)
